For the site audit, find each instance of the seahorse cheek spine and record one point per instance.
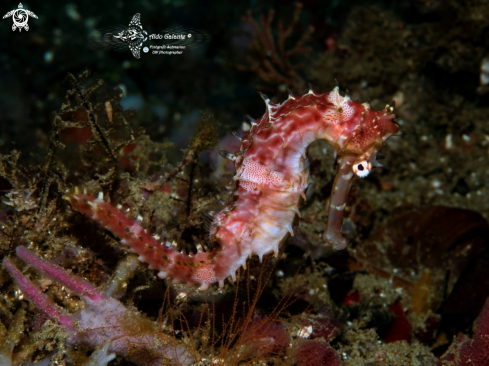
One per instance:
(272, 176)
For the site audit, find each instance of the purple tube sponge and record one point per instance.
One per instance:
(104, 320)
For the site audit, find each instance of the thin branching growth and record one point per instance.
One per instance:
(272, 62)
(242, 336)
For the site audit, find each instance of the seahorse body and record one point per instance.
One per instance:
(272, 177)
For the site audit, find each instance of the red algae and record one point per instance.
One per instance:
(475, 351)
(316, 353)
(400, 329)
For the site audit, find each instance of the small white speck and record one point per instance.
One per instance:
(305, 332)
(449, 141)
(245, 126)
(181, 296)
(484, 75)
(329, 271)
(312, 292)
(435, 183)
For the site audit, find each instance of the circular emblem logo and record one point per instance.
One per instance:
(20, 18)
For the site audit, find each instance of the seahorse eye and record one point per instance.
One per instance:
(362, 169)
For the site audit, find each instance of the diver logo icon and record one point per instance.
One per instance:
(20, 17)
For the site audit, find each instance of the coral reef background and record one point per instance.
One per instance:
(414, 275)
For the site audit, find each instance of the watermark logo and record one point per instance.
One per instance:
(133, 36)
(120, 38)
(20, 17)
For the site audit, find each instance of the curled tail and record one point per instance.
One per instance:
(199, 268)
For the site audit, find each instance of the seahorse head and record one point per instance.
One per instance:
(359, 131)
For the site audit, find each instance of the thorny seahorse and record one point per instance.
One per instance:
(272, 176)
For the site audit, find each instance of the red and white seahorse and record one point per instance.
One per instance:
(272, 177)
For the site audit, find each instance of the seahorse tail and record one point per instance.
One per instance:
(191, 268)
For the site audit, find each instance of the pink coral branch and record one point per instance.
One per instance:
(80, 286)
(41, 301)
(103, 321)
